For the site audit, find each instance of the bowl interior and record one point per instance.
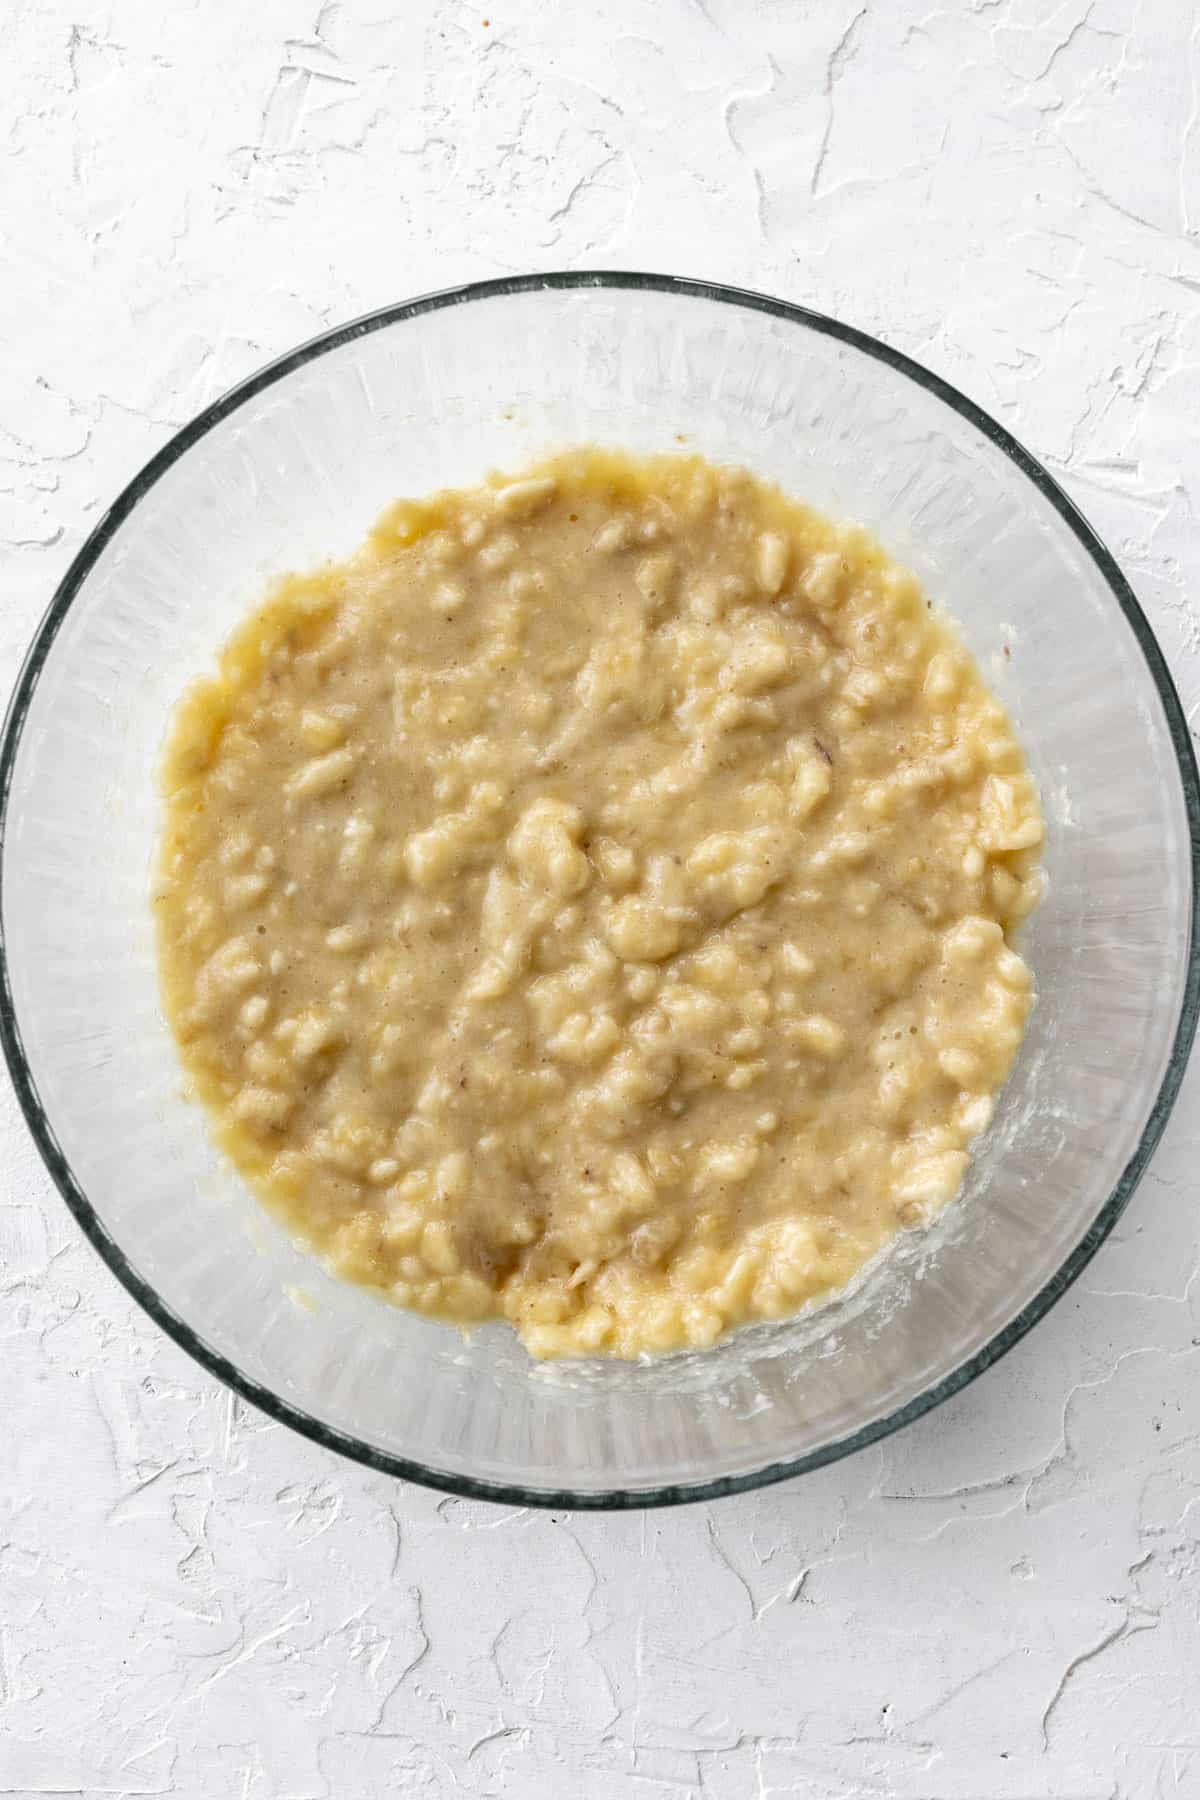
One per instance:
(294, 469)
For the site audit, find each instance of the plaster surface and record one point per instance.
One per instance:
(1002, 1602)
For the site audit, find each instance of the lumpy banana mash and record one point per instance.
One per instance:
(590, 904)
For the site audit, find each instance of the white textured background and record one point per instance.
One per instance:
(1003, 1603)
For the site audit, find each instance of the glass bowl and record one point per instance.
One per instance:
(292, 467)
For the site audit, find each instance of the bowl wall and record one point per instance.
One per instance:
(293, 468)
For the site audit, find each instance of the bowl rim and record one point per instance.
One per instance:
(42, 1130)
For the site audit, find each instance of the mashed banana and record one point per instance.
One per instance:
(589, 905)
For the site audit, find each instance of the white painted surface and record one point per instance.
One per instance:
(1002, 1603)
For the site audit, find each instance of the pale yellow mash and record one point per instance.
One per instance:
(590, 905)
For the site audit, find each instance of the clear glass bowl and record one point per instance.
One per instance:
(292, 467)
